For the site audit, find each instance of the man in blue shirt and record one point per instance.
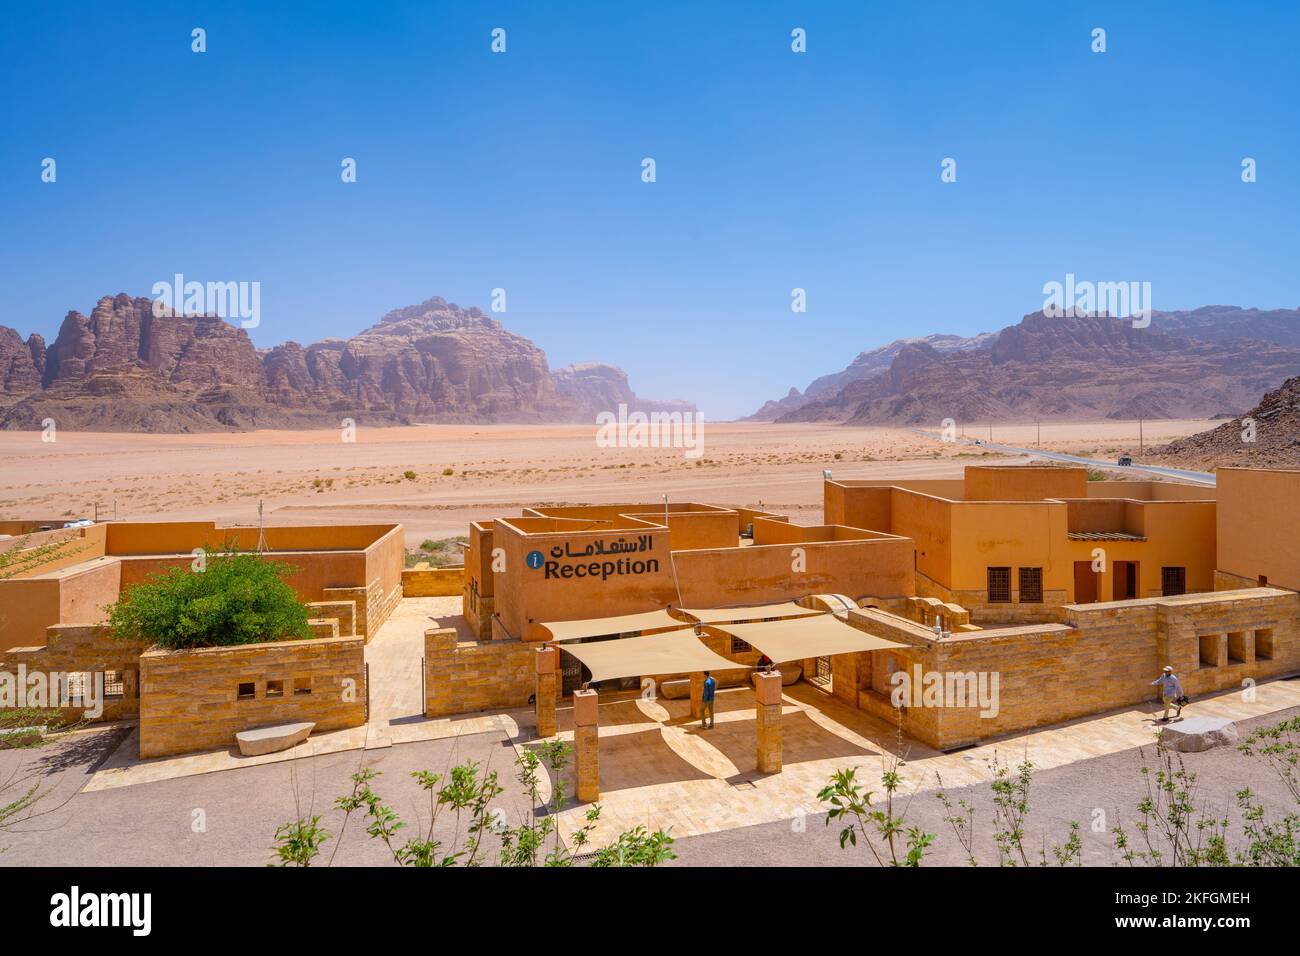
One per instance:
(707, 713)
(1171, 692)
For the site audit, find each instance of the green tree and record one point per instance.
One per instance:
(236, 599)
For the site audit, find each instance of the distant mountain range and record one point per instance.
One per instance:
(123, 369)
(1212, 361)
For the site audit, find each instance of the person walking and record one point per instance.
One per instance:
(706, 714)
(1171, 693)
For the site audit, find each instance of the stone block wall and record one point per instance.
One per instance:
(465, 676)
(191, 700)
(84, 649)
(432, 582)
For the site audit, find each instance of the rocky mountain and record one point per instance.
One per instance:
(863, 367)
(1272, 442)
(1058, 368)
(123, 369)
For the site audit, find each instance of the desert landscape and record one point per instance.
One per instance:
(434, 479)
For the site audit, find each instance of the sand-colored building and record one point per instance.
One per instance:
(1018, 544)
(1062, 596)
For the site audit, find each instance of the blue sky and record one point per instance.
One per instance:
(775, 170)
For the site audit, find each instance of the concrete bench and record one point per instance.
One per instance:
(268, 740)
(1194, 734)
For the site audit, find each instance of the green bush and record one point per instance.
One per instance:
(238, 599)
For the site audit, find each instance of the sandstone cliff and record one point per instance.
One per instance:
(123, 369)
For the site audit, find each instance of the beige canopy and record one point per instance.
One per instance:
(803, 637)
(673, 653)
(723, 615)
(606, 626)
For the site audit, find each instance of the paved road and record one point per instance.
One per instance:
(1181, 474)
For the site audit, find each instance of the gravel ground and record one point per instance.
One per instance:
(1110, 785)
(153, 824)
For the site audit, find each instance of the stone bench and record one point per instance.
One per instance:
(1194, 734)
(268, 740)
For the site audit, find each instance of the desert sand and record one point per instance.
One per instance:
(309, 477)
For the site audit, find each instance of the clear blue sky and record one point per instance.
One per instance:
(775, 170)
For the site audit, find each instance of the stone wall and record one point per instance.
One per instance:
(432, 582)
(193, 700)
(1103, 657)
(465, 676)
(85, 649)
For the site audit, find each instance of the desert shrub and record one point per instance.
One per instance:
(237, 599)
(447, 472)
(409, 475)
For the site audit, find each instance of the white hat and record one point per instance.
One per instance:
(1168, 669)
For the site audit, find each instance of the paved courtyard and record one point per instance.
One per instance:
(658, 768)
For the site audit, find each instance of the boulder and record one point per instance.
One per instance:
(1195, 734)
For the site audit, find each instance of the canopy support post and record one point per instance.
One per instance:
(545, 667)
(767, 693)
(586, 744)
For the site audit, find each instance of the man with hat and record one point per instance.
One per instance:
(1171, 693)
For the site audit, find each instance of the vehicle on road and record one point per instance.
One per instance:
(1125, 460)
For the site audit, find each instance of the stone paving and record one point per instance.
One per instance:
(659, 769)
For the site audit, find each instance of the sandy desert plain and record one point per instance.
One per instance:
(465, 472)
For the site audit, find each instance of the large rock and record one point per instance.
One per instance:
(1194, 734)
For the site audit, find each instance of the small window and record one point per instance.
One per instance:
(301, 685)
(999, 585)
(1173, 581)
(1264, 644)
(740, 647)
(247, 691)
(1209, 650)
(1031, 585)
(275, 688)
(114, 685)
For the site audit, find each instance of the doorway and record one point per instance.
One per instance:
(1085, 583)
(1126, 580)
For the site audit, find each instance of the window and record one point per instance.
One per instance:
(1031, 585)
(740, 647)
(247, 691)
(1173, 581)
(114, 684)
(1210, 649)
(275, 688)
(999, 585)
(301, 685)
(1264, 644)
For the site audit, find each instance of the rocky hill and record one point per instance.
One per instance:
(863, 367)
(123, 369)
(1276, 437)
(1183, 365)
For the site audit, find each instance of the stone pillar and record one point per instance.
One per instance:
(767, 691)
(697, 695)
(546, 666)
(586, 744)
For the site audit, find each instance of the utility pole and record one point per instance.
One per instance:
(990, 431)
(1141, 441)
(1040, 434)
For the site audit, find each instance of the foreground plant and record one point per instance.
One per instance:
(468, 792)
(850, 803)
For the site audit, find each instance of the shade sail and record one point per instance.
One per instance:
(671, 653)
(723, 615)
(798, 638)
(605, 626)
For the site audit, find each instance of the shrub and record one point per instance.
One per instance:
(238, 599)
(409, 475)
(447, 472)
